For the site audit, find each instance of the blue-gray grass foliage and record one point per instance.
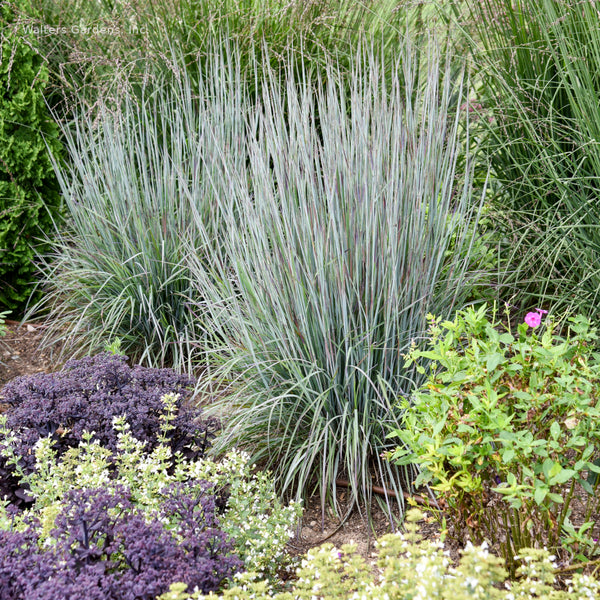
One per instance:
(295, 242)
(121, 268)
(347, 225)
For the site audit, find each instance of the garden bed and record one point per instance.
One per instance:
(322, 231)
(21, 355)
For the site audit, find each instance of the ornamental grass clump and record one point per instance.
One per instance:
(337, 233)
(537, 63)
(135, 176)
(506, 430)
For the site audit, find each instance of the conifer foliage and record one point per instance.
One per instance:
(29, 192)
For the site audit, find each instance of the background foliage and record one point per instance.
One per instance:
(29, 194)
(537, 67)
(105, 49)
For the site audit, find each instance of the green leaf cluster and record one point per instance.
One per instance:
(506, 429)
(29, 191)
(409, 568)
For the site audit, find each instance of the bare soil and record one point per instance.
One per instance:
(20, 353)
(357, 529)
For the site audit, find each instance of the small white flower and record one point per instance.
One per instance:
(571, 422)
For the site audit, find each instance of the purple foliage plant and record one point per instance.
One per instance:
(86, 395)
(105, 549)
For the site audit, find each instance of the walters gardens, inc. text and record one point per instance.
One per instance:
(84, 30)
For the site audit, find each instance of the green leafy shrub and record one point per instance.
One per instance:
(29, 192)
(250, 512)
(506, 430)
(410, 567)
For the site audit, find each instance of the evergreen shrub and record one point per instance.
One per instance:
(29, 193)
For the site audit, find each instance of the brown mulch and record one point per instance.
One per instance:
(356, 529)
(20, 354)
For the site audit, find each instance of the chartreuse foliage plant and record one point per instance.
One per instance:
(230, 504)
(29, 192)
(506, 430)
(410, 567)
(337, 231)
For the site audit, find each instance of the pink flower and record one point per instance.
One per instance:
(533, 319)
